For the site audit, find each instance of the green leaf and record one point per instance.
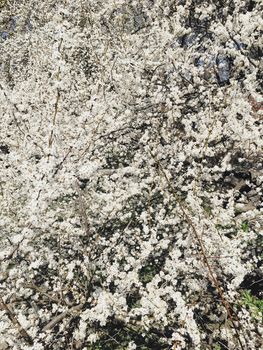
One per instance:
(245, 226)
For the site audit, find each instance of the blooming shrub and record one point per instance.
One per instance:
(131, 174)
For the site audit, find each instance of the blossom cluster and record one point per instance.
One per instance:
(131, 174)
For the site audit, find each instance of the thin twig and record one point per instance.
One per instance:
(50, 141)
(60, 317)
(211, 274)
(41, 291)
(15, 322)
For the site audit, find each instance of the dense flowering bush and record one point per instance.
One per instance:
(131, 174)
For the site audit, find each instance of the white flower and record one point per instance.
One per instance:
(131, 346)
(80, 333)
(92, 338)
